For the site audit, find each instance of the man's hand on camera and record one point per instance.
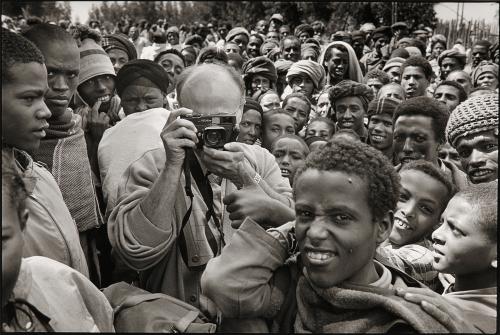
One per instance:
(230, 164)
(177, 135)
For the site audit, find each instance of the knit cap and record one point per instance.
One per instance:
(94, 61)
(396, 61)
(484, 67)
(474, 115)
(382, 106)
(235, 32)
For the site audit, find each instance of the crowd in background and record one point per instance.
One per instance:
(355, 189)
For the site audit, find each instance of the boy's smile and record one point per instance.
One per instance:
(335, 228)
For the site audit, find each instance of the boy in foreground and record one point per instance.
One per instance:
(344, 196)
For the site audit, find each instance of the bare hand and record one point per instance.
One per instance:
(230, 164)
(445, 311)
(97, 122)
(177, 135)
(250, 201)
(114, 109)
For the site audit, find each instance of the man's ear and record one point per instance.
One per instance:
(384, 227)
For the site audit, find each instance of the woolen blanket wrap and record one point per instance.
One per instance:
(66, 159)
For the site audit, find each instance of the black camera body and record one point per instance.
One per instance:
(213, 130)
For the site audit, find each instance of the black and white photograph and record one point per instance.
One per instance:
(249, 167)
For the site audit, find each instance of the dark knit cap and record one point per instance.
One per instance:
(304, 28)
(121, 42)
(400, 52)
(452, 53)
(358, 35)
(141, 68)
(474, 115)
(252, 104)
(383, 31)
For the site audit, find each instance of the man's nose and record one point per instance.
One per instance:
(408, 147)
(477, 158)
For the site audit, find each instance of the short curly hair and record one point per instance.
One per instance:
(462, 95)
(432, 171)
(426, 106)
(483, 199)
(360, 159)
(349, 88)
(377, 74)
(17, 49)
(289, 37)
(420, 62)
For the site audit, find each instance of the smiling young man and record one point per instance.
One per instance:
(380, 128)
(51, 231)
(349, 101)
(465, 245)
(425, 192)
(345, 196)
(473, 131)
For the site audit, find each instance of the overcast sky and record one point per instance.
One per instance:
(446, 10)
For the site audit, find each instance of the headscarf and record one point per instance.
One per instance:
(310, 68)
(121, 42)
(304, 28)
(141, 68)
(354, 72)
(237, 31)
(311, 47)
(213, 53)
(483, 67)
(452, 53)
(282, 65)
(381, 32)
(349, 88)
(262, 66)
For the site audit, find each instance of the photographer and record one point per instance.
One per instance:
(146, 227)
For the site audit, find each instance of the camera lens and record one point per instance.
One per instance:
(213, 138)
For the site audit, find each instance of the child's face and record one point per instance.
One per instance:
(275, 126)
(290, 155)
(335, 229)
(320, 129)
(460, 245)
(421, 202)
(299, 110)
(12, 246)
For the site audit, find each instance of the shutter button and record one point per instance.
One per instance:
(195, 259)
(192, 298)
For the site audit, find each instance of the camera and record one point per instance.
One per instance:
(213, 130)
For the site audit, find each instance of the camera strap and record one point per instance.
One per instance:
(192, 168)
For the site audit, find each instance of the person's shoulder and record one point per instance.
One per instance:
(43, 266)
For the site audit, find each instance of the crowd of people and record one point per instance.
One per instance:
(272, 179)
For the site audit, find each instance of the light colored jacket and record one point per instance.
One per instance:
(65, 296)
(50, 230)
(155, 252)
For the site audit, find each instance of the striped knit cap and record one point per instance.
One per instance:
(382, 106)
(94, 61)
(474, 115)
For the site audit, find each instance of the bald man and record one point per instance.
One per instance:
(162, 232)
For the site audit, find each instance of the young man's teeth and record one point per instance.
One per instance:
(376, 137)
(320, 256)
(401, 224)
(285, 171)
(481, 173)
(104, 98)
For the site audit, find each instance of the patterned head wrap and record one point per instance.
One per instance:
(311, 69)
(483, 67)
(259, 65)
(141, 68)
(349, 88)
